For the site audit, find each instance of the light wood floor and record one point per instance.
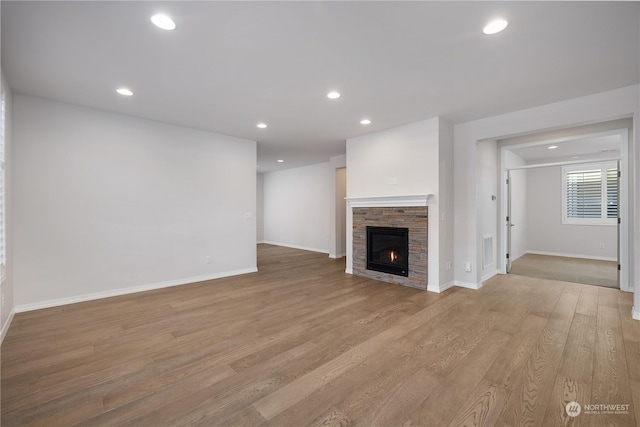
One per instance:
(301, 343)
(577, 270)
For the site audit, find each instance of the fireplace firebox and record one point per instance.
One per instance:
(388, 250)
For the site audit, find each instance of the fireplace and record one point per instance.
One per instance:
(388, 250)
(412, 218)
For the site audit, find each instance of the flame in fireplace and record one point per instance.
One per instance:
(393, 257)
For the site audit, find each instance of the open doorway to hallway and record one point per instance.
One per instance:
(564, 199)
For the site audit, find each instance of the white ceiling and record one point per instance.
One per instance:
(230, 65)
(574, 149)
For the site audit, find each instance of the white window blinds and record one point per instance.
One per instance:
(591, 193)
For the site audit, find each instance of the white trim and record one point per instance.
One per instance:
(563, 163)
(603, 219)
(304, 248)
(624, 197)
(635, 315)
(260, 242)
(468, 285)
(440, 288)
(337, 256)
(594, 257)
(130, 290)
(5, 328)
(388, 201)
(489, 275)
(348, 271)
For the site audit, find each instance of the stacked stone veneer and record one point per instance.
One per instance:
(413, 218)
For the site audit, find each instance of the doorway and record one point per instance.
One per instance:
(563, 215)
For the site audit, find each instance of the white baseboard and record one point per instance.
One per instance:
(260, 242)
(516, 256)
(635, 314)
(440, 288)
(5, 328)
(348, 270)
(336, 256)
(468, 285)
(304, 248)
(489, 275)
(131, 290)
(599, 258)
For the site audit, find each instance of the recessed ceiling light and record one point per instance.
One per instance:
(495, 27)
(124, 91)
(261, 125)
(280, 161)
(333, 95)
(163, 21)
(552, 147)
(365, 122)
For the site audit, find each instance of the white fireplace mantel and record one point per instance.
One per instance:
(389, 201)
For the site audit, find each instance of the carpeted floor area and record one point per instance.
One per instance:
(577, 270)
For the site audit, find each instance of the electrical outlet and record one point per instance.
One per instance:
(449, 265)
(207, 259)
(467, 267)
(601, 245)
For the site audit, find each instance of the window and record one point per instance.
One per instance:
(590, 194)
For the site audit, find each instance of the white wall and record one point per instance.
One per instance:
(487, 190)
(337, 207)
(445, 196)
(615, 104)
(297, 207)
(401, 161)
(260, 207)
(106, 203)
(547, 234)
(519, 207)
(341, 212)
(7, 287)
(408, 154)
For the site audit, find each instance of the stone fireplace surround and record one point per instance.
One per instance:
(409, 212)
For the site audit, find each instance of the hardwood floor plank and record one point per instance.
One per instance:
(483, 406)
(402, 400)
(588, 302)
(509, 364)
(302, 343)
(573, 382)
(528, 402)
(610, 378)
(287, 396)
(444, 401)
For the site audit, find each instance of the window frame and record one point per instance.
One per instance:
(603, 219)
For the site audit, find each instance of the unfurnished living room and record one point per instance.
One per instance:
(316, 213)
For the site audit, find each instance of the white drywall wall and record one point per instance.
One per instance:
(105, 203)
(401, 161)
(7, 286)
(547, 234)
(260, 207)
(610, 105)
(297, 207)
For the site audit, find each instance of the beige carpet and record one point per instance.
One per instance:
(577, 270)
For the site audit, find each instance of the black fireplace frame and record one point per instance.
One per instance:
(398, 270)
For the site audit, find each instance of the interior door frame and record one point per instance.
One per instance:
(623, 198)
